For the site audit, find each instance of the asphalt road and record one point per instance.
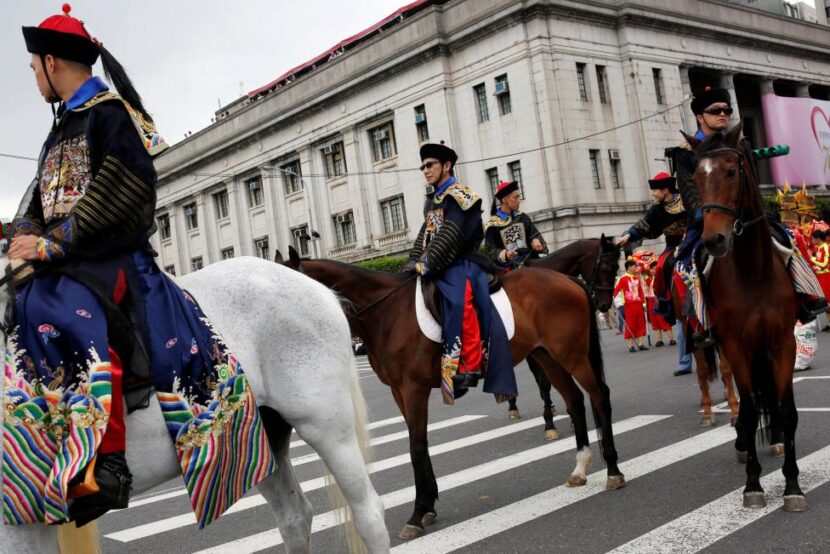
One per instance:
(683, 492)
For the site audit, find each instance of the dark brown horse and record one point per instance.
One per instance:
(596, 262)
(554, 325)
(754, 306)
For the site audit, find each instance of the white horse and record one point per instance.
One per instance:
(294, 344)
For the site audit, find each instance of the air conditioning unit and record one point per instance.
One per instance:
(420, 118)
(253, 185)
(327, 150)
(501, 87)
(614, 154)
(341, 218)
(381, 135)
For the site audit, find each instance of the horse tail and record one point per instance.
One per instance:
(337, 500)
(80, 540)
(764, 395)
(710, 354)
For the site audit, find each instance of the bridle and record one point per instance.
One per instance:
(740, 224)
(592, 286)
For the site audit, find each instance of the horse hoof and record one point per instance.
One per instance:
(410, 532)
(741, 456)
(551, 435)
(428, 519)
(707, 421)
(615, 482)
(576, 481)
(795, 503)
(777, 450)
(754, 500)
(734, 421)
(514, 414)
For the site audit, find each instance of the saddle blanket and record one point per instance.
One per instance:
(432, 329)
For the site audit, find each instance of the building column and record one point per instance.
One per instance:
(727, 81)
(202, 213)
(686, 114)
(802, 90)
(235, 213)
(767, 86)
(271, 191)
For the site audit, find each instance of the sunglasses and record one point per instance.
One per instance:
(718, 111)
(428, 165)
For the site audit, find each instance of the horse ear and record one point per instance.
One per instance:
(293, 256)
(278, 257)
(734, 134)
(693, 142)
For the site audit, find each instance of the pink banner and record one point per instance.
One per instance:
(803, 124)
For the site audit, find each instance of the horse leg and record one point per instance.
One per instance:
(544, 391)
(513, 409)
(575, 403)
(729, 385)
(282, 490)
(748, 422)
(415, 398)
(794, 500)
(702, 369)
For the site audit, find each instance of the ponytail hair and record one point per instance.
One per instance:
(117, 75)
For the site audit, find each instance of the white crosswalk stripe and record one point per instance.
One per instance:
(697, 529)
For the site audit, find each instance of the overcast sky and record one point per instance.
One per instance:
(184, 57)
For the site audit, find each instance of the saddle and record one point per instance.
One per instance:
(429, 314)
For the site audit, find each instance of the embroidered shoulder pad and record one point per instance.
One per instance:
(496, 221)
(675, 206)
(150, 138)
(462, 194)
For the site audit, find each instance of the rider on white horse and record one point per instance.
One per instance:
(91, 308)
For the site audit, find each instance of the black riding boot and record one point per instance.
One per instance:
(114, 483)
(704, 339)
(811, 306)
(461, 382)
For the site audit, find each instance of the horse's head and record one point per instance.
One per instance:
(607, 266)
(721, 181)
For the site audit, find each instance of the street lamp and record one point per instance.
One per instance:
(314, 236)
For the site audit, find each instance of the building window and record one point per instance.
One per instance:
(334, 160)
(603, 96)
(421, 123)
(515, 169)
(292, 177)
(493, 179)
(658, 85)
(170, 269)
(261, 249)
(301, 239)
(580, 79)
(394, 216)
(615, 168)
(254, 188)
(480, 93)
(226, 253)
(163, 222)
(220, 200)
(503, 95)
(383, 142)
(344, 229)
(191, 218)
(196, 264)
(594, 155)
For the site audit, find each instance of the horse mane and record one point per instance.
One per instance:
(363, 271)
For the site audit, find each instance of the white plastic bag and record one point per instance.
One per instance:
(806, 345)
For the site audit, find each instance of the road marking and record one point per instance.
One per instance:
(272, 537)
(174, 522)
(391, 437)
(708, 524)
(528, 509)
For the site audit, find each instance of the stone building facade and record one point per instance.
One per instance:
(575, 100)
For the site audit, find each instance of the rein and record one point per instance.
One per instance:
(595, 269)
(12, 273)
(740, 224)
(382, 298)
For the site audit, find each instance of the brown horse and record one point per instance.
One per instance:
(555, 325)
(706, 367)
(596, 262)
(754, 304)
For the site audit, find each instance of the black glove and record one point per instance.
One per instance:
(409, 267)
